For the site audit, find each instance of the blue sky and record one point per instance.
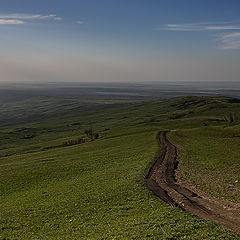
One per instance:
(119, 40)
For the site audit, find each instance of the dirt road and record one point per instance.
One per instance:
(162, 181)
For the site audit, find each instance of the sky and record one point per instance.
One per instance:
(119, 40)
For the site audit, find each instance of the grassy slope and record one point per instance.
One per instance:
(96, 190)
(210, 160)
(209, 155)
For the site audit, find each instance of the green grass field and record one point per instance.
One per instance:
(211, 160)
(95, 190)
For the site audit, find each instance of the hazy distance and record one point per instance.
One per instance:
(119, 41)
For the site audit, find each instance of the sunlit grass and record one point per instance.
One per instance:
(96, 190)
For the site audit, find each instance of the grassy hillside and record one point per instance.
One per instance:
(95, 190)
(210, 159)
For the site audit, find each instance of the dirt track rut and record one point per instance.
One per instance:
(161, 180)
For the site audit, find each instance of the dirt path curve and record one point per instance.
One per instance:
(162, 181)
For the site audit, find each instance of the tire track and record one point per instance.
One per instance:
(161, 180)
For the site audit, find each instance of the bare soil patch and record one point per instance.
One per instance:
(162, 181)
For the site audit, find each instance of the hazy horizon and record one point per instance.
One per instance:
(119, 41)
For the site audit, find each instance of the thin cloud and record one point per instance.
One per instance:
(230, 40)
(227, 33)
(58, 18)
(79, 22)
(11, 22)
(231, 27)
(30, 16)
(200, 27)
